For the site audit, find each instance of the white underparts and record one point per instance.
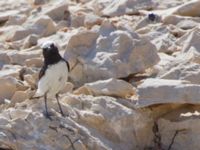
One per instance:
(53, 80)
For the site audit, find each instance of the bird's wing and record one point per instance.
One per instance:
(67, 63)
(42, 72)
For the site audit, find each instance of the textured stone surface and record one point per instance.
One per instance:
(111, 87)
(133, 81)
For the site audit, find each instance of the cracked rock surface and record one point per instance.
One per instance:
(133, 81)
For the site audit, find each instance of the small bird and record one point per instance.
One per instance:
(53, 75)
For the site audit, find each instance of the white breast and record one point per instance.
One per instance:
(53, 80)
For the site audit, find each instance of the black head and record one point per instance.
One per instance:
(50, 53)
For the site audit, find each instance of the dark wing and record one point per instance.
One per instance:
(67, 64)
(42, 72)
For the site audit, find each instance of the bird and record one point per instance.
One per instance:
(53, 75)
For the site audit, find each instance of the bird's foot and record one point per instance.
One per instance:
(61, 112)
(47, 115)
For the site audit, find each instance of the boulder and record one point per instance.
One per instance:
(111, 87)
(57, 11)
(190, 40)
(91, 20)
(184, 131)
(39, 2)
(4, 58)
(19, 96)
(93, 122)
(112, 54)
(163, 91)
(116, 8)
(16, 20)
(8, 86)
(43, 26)
(34, 62)
(190, 8)
(20, 57)
(10, 71)
(30, 41)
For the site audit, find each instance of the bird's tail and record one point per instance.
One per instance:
(37, 95)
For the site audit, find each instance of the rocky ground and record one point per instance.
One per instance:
(134, 82)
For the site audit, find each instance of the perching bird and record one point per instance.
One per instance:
(53, 75)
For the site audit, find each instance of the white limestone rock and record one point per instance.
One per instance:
(111, 87)
(163, 91)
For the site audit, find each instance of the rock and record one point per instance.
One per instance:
(112, 8)
(91, 20)
(16, 20)
(77, 20)
(57, 11)
(162, 91)
(190, 40)
(39, 2)
(187, 24)
(104, 121)
(34, 62)
(166, 62)
(149, 19)
(5, 16)
(190, 8)
(68, 88)
(10, 71)
(7, 88)
(113, 54)
(4, 58)
(30, 80)
(20, 57)
(21, 34)
(30, 41)
(19, 96)
(44, 26)
(111, 87)
(185, 131)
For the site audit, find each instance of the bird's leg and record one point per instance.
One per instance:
(46, 108)
(57, 96)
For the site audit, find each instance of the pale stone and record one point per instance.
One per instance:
(116, 8)
(20, 57)
(4, 58)
(190, 8)
(7, 88)
(67, 88)
(39, 2)
(162, 91)
(57, 11)
(19, 96)
(34, 62)
(30, 80)
(104, 121)
(77, 20)
(190, 40)
(110, 87)
(30, 41)
(10, 71)
(43, 26)
(91, 20)
(186, 132)
(113, 54)
(16, 20)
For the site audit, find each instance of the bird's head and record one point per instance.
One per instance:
(50, 51)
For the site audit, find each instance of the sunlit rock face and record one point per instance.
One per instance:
(133, 81)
